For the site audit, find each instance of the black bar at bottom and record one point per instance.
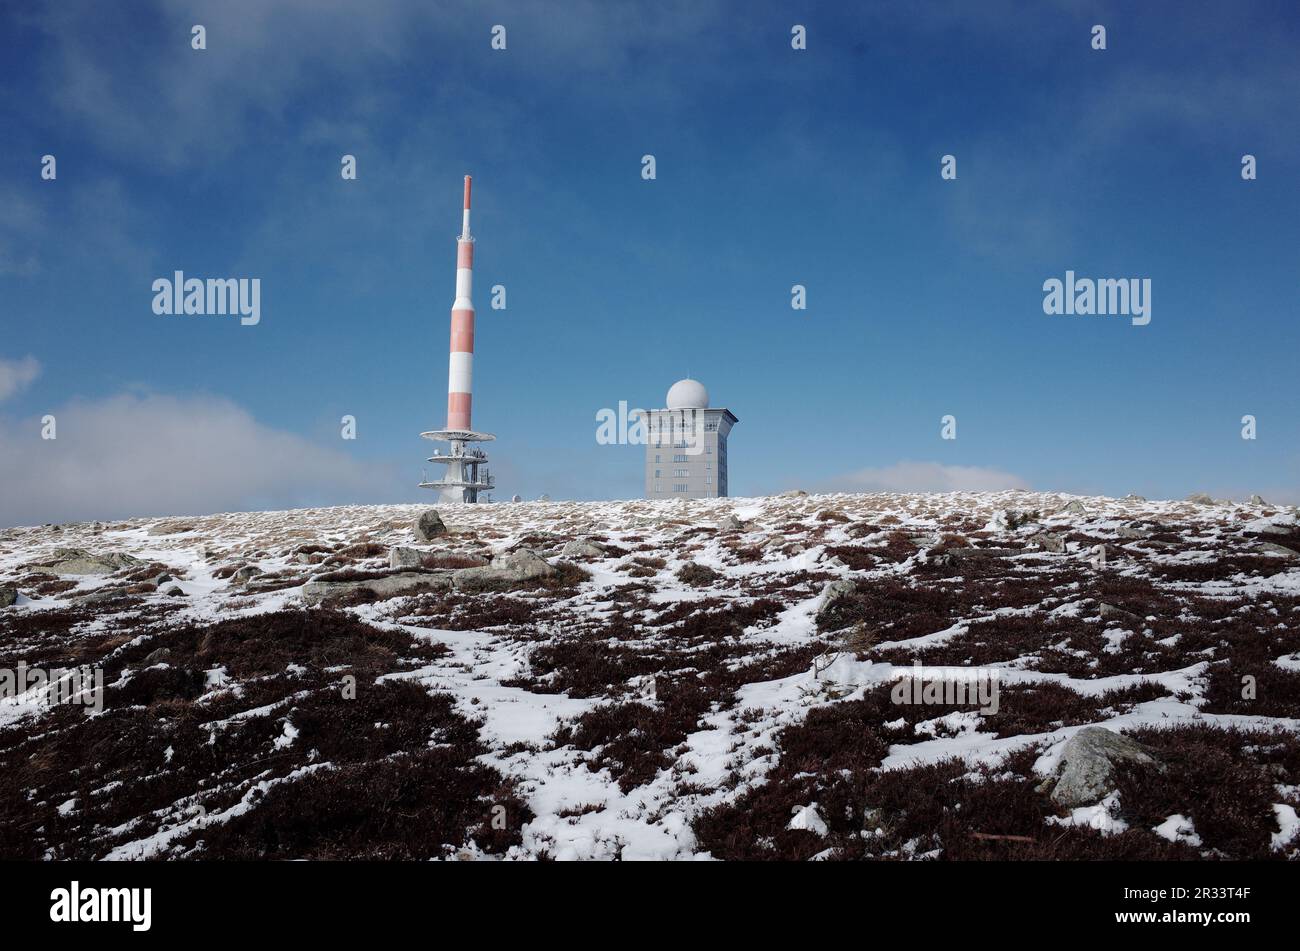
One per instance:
(305, 899)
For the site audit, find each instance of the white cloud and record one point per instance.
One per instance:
(924, 477)
(132, 455)
(16, 375)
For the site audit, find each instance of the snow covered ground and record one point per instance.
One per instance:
(686, 690)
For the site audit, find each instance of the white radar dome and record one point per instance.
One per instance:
(688, 394)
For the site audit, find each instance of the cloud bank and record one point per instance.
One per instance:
(924, 477)
(134, 455)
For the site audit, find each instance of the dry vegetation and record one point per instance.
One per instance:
(684, 691)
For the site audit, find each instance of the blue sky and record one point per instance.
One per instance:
(774, 167)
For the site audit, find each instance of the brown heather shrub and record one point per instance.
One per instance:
(386, 794)
(1222, 779)
(262, 644)
(356, 574)
(697, 575)
(1221, 569)
(456, 611)
(584, 667)
(632, 739)
(1276, 691)
(856, 557)
(358, 552)
(153, 747)
(947, 807)
(893, 609)
(453, 560)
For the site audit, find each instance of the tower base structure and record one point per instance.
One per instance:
(467, 472)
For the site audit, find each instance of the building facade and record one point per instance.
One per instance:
(686, 445)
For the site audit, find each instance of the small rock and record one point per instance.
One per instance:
(520, 565)
(1131, 497)
(1073, 508)
(314, 592)
(1049, 542)
(160, 656)
(399, 557)
(1087, 767)
(104, 594)
(77, 561)
(1274, 549)
(174, 592)
(8, 595)
(792, 494)
(835, 591)
(729, 523)
(245, 574)
(1130, 532)
(963, 553)
(515, 498)
(429, 525)
(1109, 612)
(583, 548)
(1257, 500)
(1200, 498)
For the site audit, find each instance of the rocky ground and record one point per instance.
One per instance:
(659, 680)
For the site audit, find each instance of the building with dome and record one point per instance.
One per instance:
(686, 445)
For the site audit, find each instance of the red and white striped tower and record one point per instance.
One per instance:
(464, 479)
(460, 374)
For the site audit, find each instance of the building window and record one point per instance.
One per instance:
(708, 480)
(680, 487)
(682, 473)
(656, 457)
(659, 486)
(711, 426)
(658, 473)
